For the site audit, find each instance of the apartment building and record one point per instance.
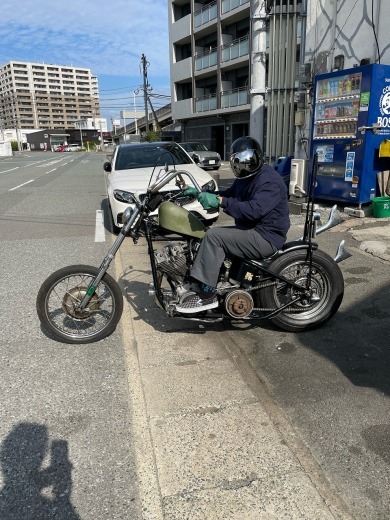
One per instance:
(213, 53)
(215, 49)
(209, 56)
(37, 95)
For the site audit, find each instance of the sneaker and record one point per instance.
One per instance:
(196, 304)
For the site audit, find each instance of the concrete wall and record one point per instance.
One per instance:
(345, 27)
(5, 149)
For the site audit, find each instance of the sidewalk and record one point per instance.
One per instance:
(211, 444)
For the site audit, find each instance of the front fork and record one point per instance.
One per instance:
(108, 259)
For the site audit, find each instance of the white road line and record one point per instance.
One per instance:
(20, 185)
(100, 235)
(53, 170)
(10, 170)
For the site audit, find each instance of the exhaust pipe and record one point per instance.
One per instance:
(342, 253)
(333, 220)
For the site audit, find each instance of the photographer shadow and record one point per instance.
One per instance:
(31, 490)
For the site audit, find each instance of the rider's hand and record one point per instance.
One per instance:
(190, 192)
(208, 200)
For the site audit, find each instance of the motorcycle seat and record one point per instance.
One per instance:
(293, 244)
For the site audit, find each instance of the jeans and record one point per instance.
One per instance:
(220, 242)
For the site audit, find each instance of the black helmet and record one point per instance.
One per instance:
(246, 157)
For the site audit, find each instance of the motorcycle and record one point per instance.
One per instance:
(299, 287)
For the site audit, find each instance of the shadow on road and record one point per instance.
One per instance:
(31, 491)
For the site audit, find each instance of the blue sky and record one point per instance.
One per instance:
(107, 36)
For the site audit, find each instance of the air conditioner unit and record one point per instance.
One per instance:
(298, 178)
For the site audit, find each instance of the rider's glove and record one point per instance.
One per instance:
(190, 192)
(208, 200)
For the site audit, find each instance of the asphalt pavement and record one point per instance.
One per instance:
(209, 433)
(211, 441)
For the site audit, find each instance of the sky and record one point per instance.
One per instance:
(106, 36)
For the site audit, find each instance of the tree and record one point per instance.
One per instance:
(151, 136)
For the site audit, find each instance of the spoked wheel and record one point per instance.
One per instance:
(314, 307)
(58, 299)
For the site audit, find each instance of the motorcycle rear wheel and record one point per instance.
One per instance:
(57, 305)
(327, 286)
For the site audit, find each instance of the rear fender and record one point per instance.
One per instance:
(294, 245)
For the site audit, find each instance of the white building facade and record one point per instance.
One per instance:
(37, 95)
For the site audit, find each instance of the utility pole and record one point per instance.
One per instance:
(145, 88)
(258, 70)
(155, 120)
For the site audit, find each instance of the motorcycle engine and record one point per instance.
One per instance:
(172, 261)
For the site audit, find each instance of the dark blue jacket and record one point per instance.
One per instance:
(260, 202)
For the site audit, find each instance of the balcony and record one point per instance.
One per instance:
(181, 70)
(181, 29)
(235, 49)
(182, 109)
(206, 14)
(229, 5)
(206, 59)
(228, 99)
(206, 103)
(234, 98)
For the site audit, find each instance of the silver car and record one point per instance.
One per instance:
(202, 156)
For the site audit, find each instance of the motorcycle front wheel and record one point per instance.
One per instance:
(60, 295)
(320, 302)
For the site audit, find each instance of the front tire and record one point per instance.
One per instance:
(327, 290)
(57, 305)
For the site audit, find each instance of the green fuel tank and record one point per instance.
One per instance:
(177, 219)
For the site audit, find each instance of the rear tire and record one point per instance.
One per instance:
(327, 288)
(57, 305)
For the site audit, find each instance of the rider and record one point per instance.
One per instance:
(258, 202)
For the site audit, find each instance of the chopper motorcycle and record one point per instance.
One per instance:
(298, 288)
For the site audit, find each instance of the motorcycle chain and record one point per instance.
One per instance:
(292, 310)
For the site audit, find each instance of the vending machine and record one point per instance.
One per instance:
(351, 132)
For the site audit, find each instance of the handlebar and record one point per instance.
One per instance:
(171, 174)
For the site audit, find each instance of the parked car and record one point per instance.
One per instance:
(132, 167)
(60, 148)
(73, 148)
(202, 156)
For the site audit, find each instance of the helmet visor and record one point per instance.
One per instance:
(244, 163)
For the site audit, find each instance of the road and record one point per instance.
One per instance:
(65, 415)
(331, 384)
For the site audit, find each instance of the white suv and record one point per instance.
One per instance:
(73, 148)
